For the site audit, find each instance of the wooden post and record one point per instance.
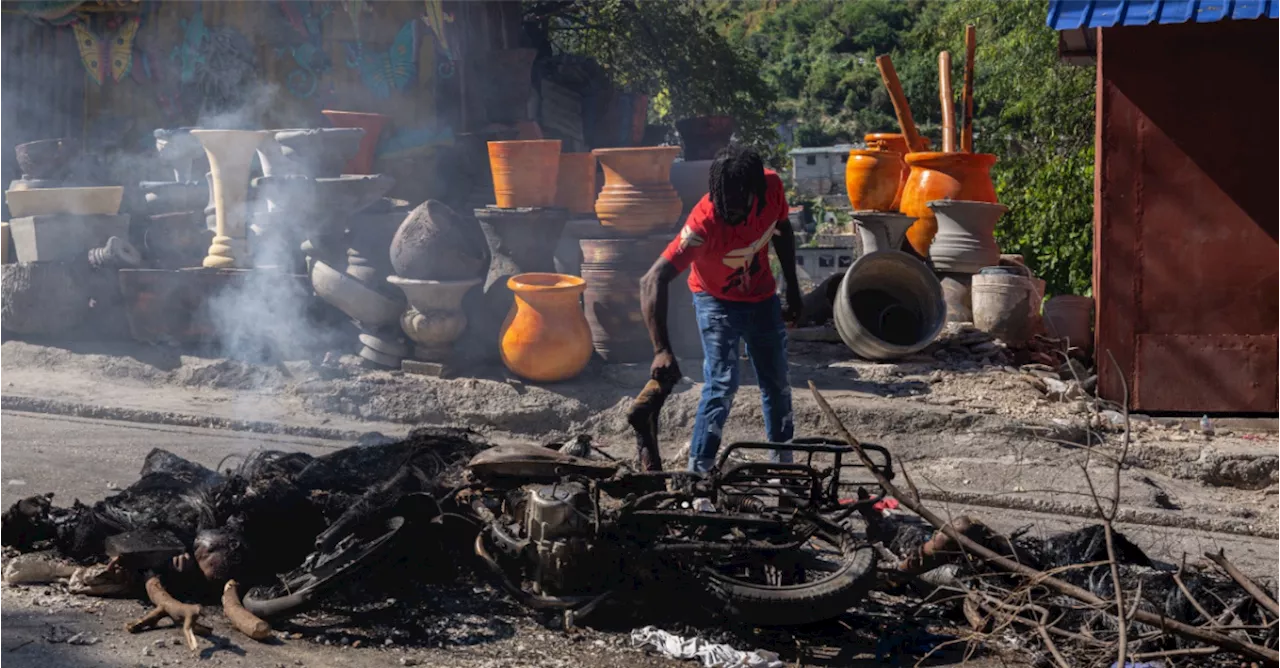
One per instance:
(966, 129)
(948, 103)
(900, 107)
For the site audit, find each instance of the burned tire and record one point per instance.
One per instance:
(804, 603)
(303, 590)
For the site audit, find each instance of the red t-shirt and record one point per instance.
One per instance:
(731, 262)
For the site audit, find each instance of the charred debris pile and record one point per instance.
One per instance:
(300, 536)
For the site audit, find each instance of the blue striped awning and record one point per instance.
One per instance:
(1075, 14)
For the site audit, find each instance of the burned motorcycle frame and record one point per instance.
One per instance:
(774, 543)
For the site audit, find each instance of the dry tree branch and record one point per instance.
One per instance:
(1206, 636)
(1108, 515)
(1053, 649)
(1177, 579)
(1241, 579)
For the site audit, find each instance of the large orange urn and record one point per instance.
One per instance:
(897, 143)
(524, 172)
(934, 176)
(872, 179)
(638, 198)
(545, 337)
(576, 183)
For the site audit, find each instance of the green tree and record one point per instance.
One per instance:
(670, 50)
(1037, 114)
(1031, 110)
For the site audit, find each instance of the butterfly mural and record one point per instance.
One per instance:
(110, 54)
(189, 53)
(304, 44)
(384, 71)
(438, 20)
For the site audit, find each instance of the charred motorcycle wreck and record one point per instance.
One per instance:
(769, 543)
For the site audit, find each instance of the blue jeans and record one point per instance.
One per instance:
(722, 324)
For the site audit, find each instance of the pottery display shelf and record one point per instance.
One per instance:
(56, 224)
(169, 225)
(345, 226)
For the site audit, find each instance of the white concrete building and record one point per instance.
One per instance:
(819, 170)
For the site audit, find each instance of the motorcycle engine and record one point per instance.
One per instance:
(559, 521)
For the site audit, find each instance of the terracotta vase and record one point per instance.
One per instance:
(613, 269)
(545, 337)
(230, 157)
(638, 198)
(524, 173)
(372, 125)
(895, 142)
(934, 176)
(435, 318)
(1070, 317)
(576, 183)
(872, 179)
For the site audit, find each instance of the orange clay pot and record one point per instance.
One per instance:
(895, 142)
(545, 337)
(965, 176)
(576, 184)
(638, 198)
(872, 179)
(372, 124)
(524, 172)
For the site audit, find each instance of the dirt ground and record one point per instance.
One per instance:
(967, 432)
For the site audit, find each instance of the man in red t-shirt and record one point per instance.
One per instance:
(725, 245)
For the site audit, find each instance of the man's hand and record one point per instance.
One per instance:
(792, 307)
(664, 368)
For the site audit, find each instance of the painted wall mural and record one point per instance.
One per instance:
(383, 71)
(107, 53)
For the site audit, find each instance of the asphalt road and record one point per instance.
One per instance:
(85, 459)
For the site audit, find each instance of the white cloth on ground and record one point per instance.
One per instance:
(712, 655)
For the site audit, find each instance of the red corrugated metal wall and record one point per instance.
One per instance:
(1186, 265)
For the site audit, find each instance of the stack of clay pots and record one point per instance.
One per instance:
(67, 244)
(889, 304)
(345, 225)
(639, 211)
(173, 230)
(439, 258)
(523, 227)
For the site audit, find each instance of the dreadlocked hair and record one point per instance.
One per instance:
(736, 173)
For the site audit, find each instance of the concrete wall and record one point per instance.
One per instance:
(1185, 228)
(824, 177)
